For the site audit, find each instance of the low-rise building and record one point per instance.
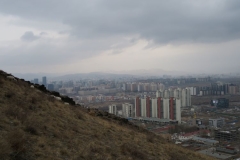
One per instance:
(217, 123)
(205, 140)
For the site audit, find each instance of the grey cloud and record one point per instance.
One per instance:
(29, 36)
(99, 25)
(43, 33)
(51, 52)
(161, 21)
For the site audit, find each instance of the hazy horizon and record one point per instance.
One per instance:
(67, 37)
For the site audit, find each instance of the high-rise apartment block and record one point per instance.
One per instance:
(162, 108)
(44, 81)
(133, 87)
(186, 97)
(127, 110)
(113, 109)
(183, 94)
(232, 89)
(166, 105)
(142, 87)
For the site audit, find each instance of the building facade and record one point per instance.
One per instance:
(217, 123)
(127, 110)
(183, 94)
(162, 108)
(232, 89)
(113, 109)
(44, 81)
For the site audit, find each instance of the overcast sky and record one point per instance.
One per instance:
(76, 36)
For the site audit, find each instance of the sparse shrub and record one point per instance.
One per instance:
(1, 82)
(21, 82)
(79, 115)
(95, 149)
(51, 99)
(41, 88)
(20, 103)
(133, 150)
(57, 94)
(5, 149)
(64, 152)
(68, 100)
(56, 134)
(32, 107)
(96, 135)
(17, 113)
(150, 138)
(75, 129)
(34, 100)
(12, 111)
(18, 142)
(92, 112)
(32, 126)
(9, 94)
(99, 114)
(16, 123)
(32, 130)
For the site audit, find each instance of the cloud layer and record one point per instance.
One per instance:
(29, 36)
(62, 32)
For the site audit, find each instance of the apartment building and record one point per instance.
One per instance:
(113, 109)
(163, 108)
(183, 94)
(127, 110)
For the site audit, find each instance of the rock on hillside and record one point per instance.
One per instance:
(35, 125)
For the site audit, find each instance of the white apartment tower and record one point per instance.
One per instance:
(127, 110)
(183, 94)
(186, 97)
(154, 108)
(166, 108)
(113, 109)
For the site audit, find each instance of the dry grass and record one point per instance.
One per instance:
(35, 126)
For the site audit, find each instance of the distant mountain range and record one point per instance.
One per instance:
(92, 75)
(151, 72)
(101, 75)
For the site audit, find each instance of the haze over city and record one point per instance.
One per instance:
(119, 36)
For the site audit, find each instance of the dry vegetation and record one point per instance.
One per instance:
(34, 125)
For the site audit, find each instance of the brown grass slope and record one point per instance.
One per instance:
(34, 125)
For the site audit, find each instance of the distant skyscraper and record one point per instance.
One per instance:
(44, 81)
(35, 81)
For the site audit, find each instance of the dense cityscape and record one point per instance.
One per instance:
(201, 114)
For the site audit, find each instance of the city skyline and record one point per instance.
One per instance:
(102, 36)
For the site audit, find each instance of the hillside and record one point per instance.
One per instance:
(35, 125)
